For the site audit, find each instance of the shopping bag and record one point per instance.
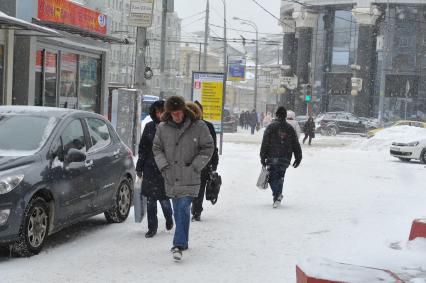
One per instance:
(213, 187)
(139, 202)
(262, 181)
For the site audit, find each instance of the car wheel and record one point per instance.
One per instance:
(332, 131)
(405, 159)
(123, 202)
(34, 228)
(423, 156)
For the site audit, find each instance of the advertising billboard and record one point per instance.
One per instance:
(141, 12)
(236, 69)
(207, 88)
(70, 13)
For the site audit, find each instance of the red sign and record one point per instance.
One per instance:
(69, 13)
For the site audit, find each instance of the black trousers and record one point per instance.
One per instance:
(197, 203)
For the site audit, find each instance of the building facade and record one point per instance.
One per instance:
(330, 45)
(122, 60)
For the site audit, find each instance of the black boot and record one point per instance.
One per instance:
(150, 233)
(169, 224)
(196, 217)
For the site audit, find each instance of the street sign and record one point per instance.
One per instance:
(236, 69)
(289, 82)
(207, 88)
(141, 13)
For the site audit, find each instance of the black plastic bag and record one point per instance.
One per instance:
(213, 187)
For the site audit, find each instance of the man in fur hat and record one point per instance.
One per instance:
(182, 147)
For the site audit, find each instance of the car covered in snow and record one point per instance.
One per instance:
(333, 123)
(406, 151)
(418, 124)
(58, 167)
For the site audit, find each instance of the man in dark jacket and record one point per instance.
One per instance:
(278, 145)
(253, 120)
(153, 182)
(182, 148)
(197, 203)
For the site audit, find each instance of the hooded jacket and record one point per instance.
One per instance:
(291, 119)
(182, 151)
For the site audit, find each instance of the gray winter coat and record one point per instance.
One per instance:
(181, 154)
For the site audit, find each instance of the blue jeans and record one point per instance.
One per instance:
(151, 209)
(276, 180)
(182, 214)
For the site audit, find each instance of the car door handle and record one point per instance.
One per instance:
(88, 163)
(117, 152)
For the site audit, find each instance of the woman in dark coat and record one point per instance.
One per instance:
(309, 130)
(152, 180)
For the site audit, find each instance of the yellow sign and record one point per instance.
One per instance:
(211, 96)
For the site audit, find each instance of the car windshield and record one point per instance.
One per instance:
(23, 135)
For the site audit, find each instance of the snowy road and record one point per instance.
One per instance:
(343, 203)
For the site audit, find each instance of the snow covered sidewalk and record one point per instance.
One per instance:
(346, 204)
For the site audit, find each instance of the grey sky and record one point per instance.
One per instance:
(240, 8)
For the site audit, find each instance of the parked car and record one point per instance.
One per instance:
(407, 151)
(230, 122)
(58, 167)
(332, 123)
(372, 133)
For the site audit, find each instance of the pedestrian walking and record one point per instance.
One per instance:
(309, 130)
(262, 117)
(246, 120)
(152, 180)
(197, 203)
(182, 147)
(291, 119)
(253, 120)
(278, 146)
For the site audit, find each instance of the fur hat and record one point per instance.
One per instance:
(194, 108)
(175, 103)
(281, 112)
(199, 105)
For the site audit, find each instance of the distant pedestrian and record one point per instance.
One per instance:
(197, 203)
(278, 146)
(152, 180)
(182, 147)
(246, 120)
(309, 130)
(253, 120)
(262, 117)
(291, 119)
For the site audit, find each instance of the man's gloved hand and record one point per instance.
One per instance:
(139, 174)
(297, 163)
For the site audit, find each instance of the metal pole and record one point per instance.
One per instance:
(206, 36)
(255, 71)
(225, 71)
(199, 59)
(140, 58)
(163, 47)
(385, 56)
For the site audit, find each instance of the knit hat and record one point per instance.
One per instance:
(175, 103)
(281, 112)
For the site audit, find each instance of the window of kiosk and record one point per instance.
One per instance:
(1, 73)
(89, 84)
(68, 85)
(45, 78)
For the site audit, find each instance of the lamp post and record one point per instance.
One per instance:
(225, 72)
(253, 25)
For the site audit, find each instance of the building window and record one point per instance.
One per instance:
(345, 39)
(68, 87)
(89, 85)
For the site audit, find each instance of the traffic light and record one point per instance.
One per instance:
(308, 98)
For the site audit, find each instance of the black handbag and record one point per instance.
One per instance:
(213, 187)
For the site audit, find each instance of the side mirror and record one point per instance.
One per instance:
(75, 155)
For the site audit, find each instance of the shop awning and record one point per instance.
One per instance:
(83, 32)
(7, 21)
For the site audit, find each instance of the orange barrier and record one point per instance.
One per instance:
(418, 229)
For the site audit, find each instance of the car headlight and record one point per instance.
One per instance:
(9, 183)
(413, 143)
